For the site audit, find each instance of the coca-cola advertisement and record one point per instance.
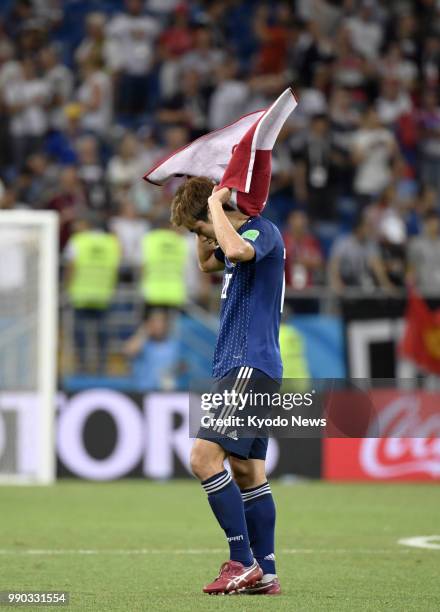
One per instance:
(408, 447)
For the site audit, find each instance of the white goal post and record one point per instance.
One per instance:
(28, 345)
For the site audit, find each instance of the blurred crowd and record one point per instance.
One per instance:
(93, 93)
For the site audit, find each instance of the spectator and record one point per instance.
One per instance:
(175, 136)
(392, 247)
(150, 151)
(69, 202)
(431, 61)
(92, 261)
(314, 170)
(406, 35)
(93, 45)
(36, 184)
(62, 144)
(425, 201)
(344, 118)
(174, 42)
(95, 96)
(365, 32)
(374, 151)
(59, 81)
(130, 229)
(142, 193)
(355, 262)
(92, 175)
(272, 35)
(303, 254)
(155, 354)
(229, 97)
(429, 121)
(6, 46)
(178, 69)
(424, 255)
(123, 168)
(393, 103)
(188, 106)
(204, 57)
(395, 66)
(20, 15)
(386, 207)
(130, 42)
(344, 121)
(313, 100)
(26, 99)
(309, 48)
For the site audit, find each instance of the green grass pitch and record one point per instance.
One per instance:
(135, 545)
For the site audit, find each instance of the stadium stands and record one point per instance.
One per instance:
(92, 93)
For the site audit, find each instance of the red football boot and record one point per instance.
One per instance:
(233, 576)
(268, 585)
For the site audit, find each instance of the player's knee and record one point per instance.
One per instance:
(241, 473)
(243, 481)
(202, 465)
(195, 462)
(247, 474)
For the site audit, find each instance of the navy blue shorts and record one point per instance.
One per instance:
(249, 445)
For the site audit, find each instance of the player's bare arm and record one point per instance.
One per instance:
(234, 247)
(208, 262)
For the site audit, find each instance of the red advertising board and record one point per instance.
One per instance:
(408, 447)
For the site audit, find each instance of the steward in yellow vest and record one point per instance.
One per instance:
(164, 261)
(294, 361)
(95, 258)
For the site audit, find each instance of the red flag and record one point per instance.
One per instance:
(237, 156)
(421, 339)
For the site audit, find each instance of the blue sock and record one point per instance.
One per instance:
(260, 514)
(225, 500)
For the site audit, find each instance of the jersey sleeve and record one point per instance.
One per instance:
(218, 254)
(263, 241)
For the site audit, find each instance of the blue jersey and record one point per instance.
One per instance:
(251, 304)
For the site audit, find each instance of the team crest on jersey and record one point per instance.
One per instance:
(251, 234)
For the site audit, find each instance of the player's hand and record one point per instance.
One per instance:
(207, 241)
(219, 195)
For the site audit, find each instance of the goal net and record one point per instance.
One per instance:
(28, 324)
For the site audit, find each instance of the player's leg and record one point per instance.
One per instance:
(250, 475)
(224, 497)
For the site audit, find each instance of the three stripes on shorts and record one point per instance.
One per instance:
(240, 385)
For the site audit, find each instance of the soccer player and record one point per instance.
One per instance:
(250, 250)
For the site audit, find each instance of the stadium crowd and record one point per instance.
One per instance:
(93, 93)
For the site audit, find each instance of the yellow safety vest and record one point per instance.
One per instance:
(95, 273)
(294, 361)
(164, 257)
